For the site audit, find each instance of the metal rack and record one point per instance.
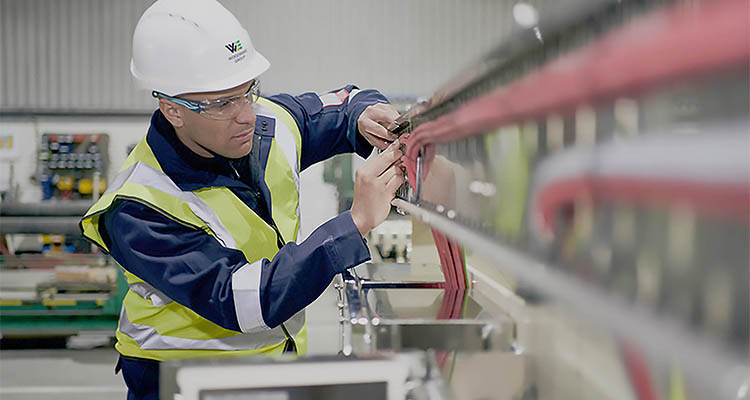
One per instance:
(707, 361)
(56, 293)
(615, 189)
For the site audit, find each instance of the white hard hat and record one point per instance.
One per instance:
(186, 46)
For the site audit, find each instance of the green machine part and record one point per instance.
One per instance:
(338, 171)
(61, 317)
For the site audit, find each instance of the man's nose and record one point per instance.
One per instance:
(246, 114)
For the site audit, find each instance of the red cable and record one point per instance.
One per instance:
(441, 243)
(663, 47)
(447, 304)
(450, 252)
(458, 264)
(638, 372)
(720, 200)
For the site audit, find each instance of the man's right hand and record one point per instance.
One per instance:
(375, 185)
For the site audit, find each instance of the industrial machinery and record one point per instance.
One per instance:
(585, 188)
(599, 171)
(375, 377)
(72, 166)
(53, 284)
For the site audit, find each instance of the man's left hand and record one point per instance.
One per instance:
(372, 124)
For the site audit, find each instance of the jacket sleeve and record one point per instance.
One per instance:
(328, 122)
(194, 269)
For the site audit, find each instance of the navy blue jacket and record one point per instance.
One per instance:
(192, 268)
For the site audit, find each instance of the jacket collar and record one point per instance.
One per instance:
(187, 169)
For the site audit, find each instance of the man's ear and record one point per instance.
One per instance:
(171, 113)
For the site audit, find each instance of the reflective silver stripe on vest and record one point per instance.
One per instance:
(145, 175)
(150, 293)
(148, 338)
(246, 292)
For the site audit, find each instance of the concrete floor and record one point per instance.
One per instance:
(66, 374)
(60, 374)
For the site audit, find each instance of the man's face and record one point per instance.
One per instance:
(231, 138)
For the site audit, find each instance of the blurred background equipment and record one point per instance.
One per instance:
(70, 167)
(386, 376)
(53, 283)
(576, 223)
(601, 177)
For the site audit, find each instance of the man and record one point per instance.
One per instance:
(204, 214)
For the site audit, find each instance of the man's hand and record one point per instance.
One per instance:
(375, 185)
(372, 124)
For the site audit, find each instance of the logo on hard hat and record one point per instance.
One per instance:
(234, 46)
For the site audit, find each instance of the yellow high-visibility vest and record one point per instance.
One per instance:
(154, 326)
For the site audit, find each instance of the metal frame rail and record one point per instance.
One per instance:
(469, 106)
(705, 361)
(564, 26)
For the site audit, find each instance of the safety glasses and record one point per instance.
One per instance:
(226, 108)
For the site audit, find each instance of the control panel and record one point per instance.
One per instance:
(72, 166)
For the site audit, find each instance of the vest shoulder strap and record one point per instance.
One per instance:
(288, 120)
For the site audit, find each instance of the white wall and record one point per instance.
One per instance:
(72, 55)
(318, 200)
(122, 131)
